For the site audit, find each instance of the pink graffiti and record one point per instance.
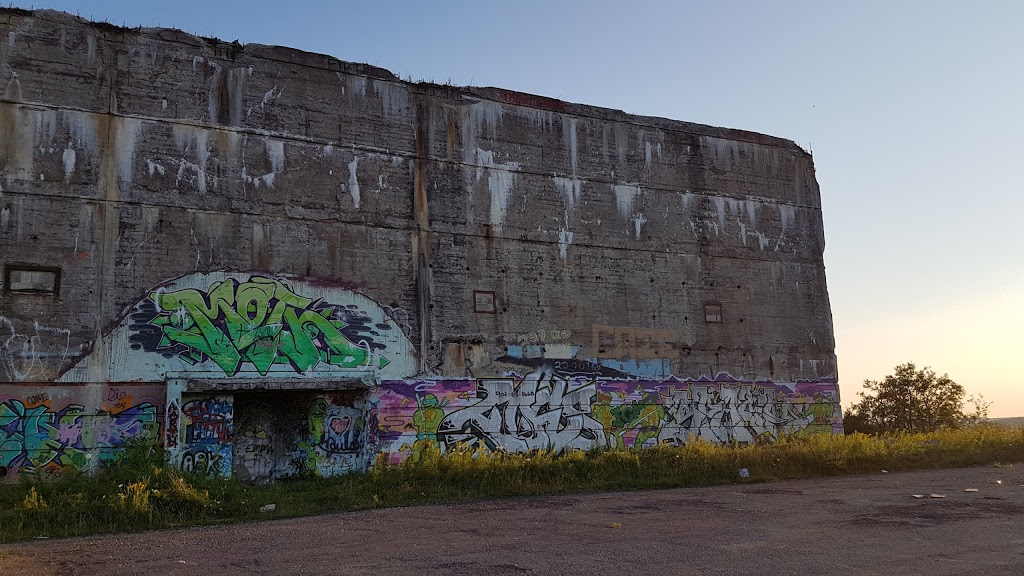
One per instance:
(340, 425)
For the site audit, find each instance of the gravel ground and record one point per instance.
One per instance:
(851, 525)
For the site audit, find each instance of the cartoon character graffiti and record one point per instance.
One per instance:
(427, 419)
(630, 424)
(316, 418)
(822, 411)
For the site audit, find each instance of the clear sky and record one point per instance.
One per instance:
(913, 110)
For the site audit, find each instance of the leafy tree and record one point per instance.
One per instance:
(912, 400)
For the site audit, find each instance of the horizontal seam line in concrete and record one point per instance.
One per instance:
(411, 230)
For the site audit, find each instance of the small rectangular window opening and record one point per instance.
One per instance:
(484, 302)
(712, 313)
(26, 279)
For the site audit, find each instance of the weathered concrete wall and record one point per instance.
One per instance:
(222, 219)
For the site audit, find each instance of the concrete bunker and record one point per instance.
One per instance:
(272, 262)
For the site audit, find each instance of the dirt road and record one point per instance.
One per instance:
(855, 525)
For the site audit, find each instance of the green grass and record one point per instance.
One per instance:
(138, 493)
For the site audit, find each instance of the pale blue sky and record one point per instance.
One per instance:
(912, 110)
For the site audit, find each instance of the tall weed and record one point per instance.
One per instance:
(136, 492)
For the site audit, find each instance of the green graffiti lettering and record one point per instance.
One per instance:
(261, 322)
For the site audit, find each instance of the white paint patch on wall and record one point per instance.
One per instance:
(571, 189)
(13, 90)
(558, 351)
(501, 179)
(564, 240)
(720, 208)
(68, 158)
(625, 199)
(275, 153)
(394, 98)
(82, 129)
(621, 141)
(762, 239)
(45, 127)
(731, 154)
(538, 118)
(125, 137)
(638, 221)
(787, 214)
(353, 181)
(191, 140)
(268, 97)
(569, 136)
(480, 119)
(358, 84)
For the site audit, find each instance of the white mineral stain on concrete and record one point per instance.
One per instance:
(638, 221)
(569, 135)
(353, 181)
(126, 135)
(191, 141)
(571, 189)
(625, 199)
(394, 98)
(275, 153)
(68, 158)
(564, 240)
(501, 179)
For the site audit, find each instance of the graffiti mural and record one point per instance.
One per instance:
(43, 434)
(549, 410)
(260, 322)
(214, 460)
(249, 325)
(427, 419)
(541, 411)
(171, 440)
(206, 423)
(336, 441)
(209, 420)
